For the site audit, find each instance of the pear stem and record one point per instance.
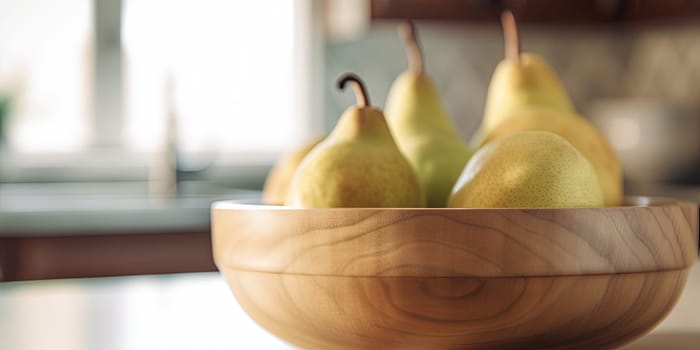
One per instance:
(358, 86)
(510, 35)
(407, 31)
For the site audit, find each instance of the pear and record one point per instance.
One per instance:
(277, 181)
(357, 165)
(422, 128)
(582, 135)
(529, 169)
(526, 94)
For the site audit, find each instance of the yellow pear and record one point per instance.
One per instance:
(357, 165)
(526, 94)
(422, 128)
(277, 181)
(582, 135)
(530, 169)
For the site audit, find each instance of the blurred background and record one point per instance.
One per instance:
(120, 118)
(121, 121)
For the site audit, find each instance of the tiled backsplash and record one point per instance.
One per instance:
(655, 61)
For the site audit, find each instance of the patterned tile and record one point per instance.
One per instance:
(593, 63)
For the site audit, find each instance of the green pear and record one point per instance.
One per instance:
(357, 165)
(279, 177)
(422, 128)
(526, 94)
(529, 169)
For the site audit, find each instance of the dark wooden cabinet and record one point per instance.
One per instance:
(547, 11)
(118, 254)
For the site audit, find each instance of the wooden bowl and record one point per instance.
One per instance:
(457, 278)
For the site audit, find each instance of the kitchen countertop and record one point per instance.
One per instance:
(196, 311)
(67, 230)
(120, 207)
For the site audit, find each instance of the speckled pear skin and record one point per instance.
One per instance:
(426, 136)
(582, 135)
(358, 165)
(531, 169)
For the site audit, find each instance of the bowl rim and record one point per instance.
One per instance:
(651, 234)
(633, 202)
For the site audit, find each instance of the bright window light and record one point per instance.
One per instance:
(230, 64)
(45, 53)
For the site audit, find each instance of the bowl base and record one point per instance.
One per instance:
(554, 312)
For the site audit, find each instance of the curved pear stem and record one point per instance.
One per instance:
(510, 35)
(358, 86)
(407, 31)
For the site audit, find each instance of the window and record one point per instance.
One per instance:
(228, 64)
(222, 72)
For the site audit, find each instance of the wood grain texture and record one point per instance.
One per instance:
(449, 242)
(571, 312)
(456, 278)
